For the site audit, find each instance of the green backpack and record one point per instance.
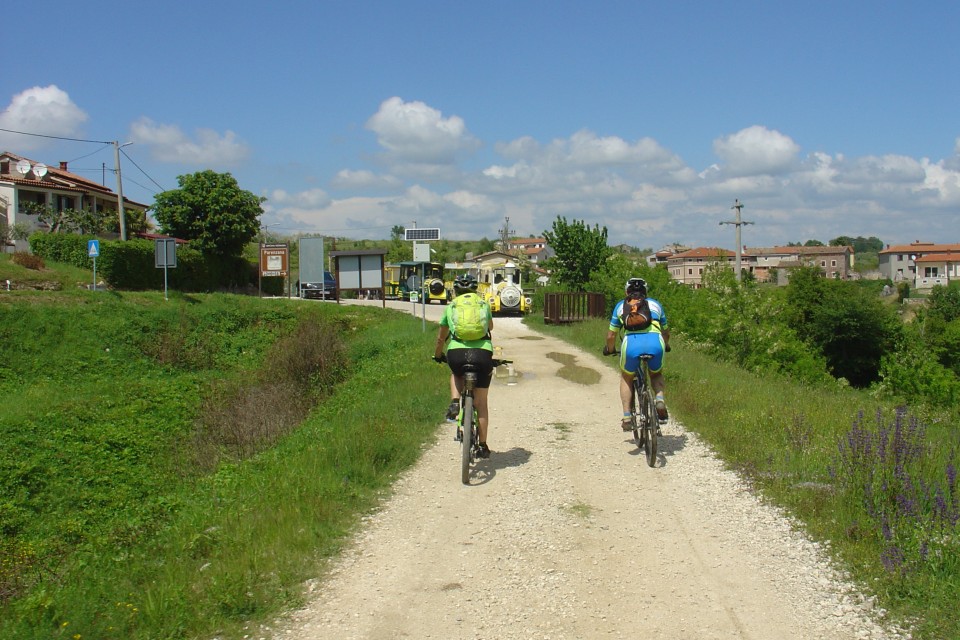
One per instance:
(468, 317)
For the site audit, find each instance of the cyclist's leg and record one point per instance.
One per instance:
(483, 359)
(483, 416)
(653, 344)
(629, 364)
(455, 360)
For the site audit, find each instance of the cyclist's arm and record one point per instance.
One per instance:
(441, 341)
(610, 343)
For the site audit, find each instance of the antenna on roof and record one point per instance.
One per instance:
(23, 167)
(40, 169)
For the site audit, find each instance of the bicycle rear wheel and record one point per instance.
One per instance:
(650, 428)
(638, 433)
(468, 440)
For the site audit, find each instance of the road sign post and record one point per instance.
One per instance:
(93, 251)
(165, 254)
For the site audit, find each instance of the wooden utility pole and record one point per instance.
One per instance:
(738, 222)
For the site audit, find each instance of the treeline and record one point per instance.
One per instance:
(814, 329)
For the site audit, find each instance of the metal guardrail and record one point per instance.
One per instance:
(573, 307)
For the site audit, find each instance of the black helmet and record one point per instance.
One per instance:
(636, 285)
(464, 283)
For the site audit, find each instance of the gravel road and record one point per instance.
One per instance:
(565, 533)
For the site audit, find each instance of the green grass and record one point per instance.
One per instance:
(785, 438)
(117, 524)
(54, 276)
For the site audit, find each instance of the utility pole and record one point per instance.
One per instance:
(120, 212)
(505, 235)
(738, 206)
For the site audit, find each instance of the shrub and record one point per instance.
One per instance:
(28, 260)
(67, 248)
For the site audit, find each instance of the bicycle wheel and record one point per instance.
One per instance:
(469, 438)
(651, 425)
(637, 424)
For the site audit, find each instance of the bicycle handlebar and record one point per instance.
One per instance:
(496, 363)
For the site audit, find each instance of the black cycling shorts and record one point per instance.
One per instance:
(482, 358)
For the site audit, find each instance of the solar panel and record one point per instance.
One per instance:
(421, 234)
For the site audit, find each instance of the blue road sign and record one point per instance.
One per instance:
(93, 248)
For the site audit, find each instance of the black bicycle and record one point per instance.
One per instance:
(468, 434)
(643, 411)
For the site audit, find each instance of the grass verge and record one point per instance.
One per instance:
(131, 506)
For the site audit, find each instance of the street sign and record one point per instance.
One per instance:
(93, 248)
(165, 253)
(274, 260)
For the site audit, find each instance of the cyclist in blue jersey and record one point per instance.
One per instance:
(653, 340)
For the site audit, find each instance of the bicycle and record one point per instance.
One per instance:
(645, 421)
(467, 419)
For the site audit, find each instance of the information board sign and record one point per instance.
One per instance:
(274, 260)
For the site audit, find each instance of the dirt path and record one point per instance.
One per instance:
(565, 532)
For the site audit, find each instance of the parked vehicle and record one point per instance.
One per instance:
(326, 290)
(500, 287)
(426, 278)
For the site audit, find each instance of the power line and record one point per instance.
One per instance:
(41, 135)
(141, 170)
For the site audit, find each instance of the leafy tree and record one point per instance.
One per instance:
(945, 301)
(398, 232)
(579, 251)
(911, 373)
(212, 211)
(850, 327)
(486, 245)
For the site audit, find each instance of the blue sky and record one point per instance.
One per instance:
(823, 118)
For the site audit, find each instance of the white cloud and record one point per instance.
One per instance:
(170, 144)
(357, 180)
(311, 198)
(416, 133)
(43, 110)
(756, 150)
(642, 191)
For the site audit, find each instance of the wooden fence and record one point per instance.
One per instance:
(573, 307)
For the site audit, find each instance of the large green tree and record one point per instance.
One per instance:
(579, 251)
(847, 323)
(212, 211)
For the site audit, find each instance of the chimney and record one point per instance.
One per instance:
(63, 165)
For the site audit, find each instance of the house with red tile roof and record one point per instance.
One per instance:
(687, 267)
(913, 263)
(767, 264)
(25, 182)
(936, 269)
(535, 250)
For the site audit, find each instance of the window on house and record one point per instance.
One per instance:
(833, 263)
(700, 271)
(64, 202)
(930, 272)
(689, 271)
(823, 263)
